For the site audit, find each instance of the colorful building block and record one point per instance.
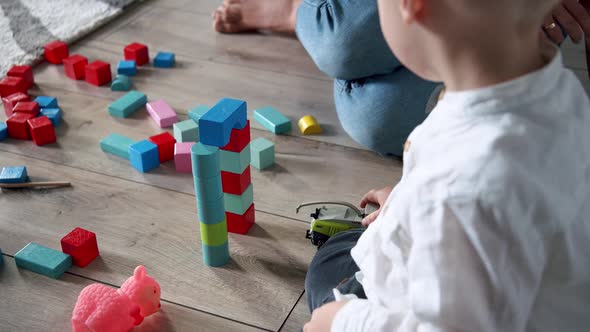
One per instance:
(11, 85)
(165, 143)
(127, 104)
(26, 72)
(98, 73)
(164, 60)
(215, 126)
(56, 51)
(75, 66)
(196, 113)
(211, 212)
(1, 258)
(3, 131)
(28, 107)
(186, 131)
(207, 190)
(205, 161)
(43, 260)
(14, 174)
(42, 130)
(240, 224)
(182, 157)
(144, 156)
(272, 120)
(239, 139)
(127, 68)
(81, 245)
(214, 234)
(18, 126)
(46, 102)
(137, 52)
(308, 125)
(121, 83)
(235, 162)
(238, 204)
(53, 114)
(262, 153)
(10, 101)
(234, 183)
(215, 255)
(162, 113)
(116, 144)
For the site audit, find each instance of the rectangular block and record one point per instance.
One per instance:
(128, 104)
(215, 126)
(81, 245)
(10, 85)
(165, 143)
(262, 153)
(26, 72)
(29, 107)
(211, 212)
(14, 174)
(235, 162)
(240, 224)
(46, 102)
(238, 139)
(238, 204)
(10, 101)
(144, 156)
(162, 113)
(272, 120)
(196, 113)
(1, 258)
(208, 190)
(186, 131)
(164, 60)
(234, 183)
(127, 67)
(182, 157)
(116, 144)
(215, 255)
(43, 260)
(53, 114)
(3, 131)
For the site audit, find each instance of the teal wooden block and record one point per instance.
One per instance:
(215, 255)
(238, 204)
(127, 104)
(262, 153)
(208, 190)
(205, 161)
(235, 162)
(211, 212)
(272, 120)
(121, 83)
(13, 174)
(196, 113)
(116, 144)
(43, 260)
(186, 131)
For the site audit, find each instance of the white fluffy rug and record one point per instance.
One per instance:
(27, 25)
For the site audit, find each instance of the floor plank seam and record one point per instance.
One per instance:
(292, 309)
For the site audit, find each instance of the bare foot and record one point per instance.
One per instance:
(248, 15)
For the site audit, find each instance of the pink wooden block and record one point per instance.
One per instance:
(162, 113)
(182, 157)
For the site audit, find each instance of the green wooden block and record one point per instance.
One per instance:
(116, 144)
(235, 162)
(215, 255)
(208, 190)
(214, 234)
(262, 153)
(205, 161)
(238, 204)
(272, 120)
(43, 260)
(128, 104)
(196, 113)
(186, 131)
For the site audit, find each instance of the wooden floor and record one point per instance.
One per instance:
(150, 219)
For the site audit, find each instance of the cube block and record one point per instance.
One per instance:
(127, 104)
(215, 126)
(164, 60)
(10, 101)
(116, 144)
(56, 51)
(26, 72)
(272, 120)
(236, 183)
(14, 174)
(211, 212)
(262, 153)
(207, 190)
(235, 162)
(165, 143)
(182, 157)
(10, 85)
(196, 113)
(28, 107)
(75, 66)
(240, 224)
(239, 139)
(3, 131)
(162, 113)
(121, 83)
(42, 130)
(98, 73)
(238, 204)
(205, 161)
(186, 131)
(43, 260)
(214, 234)
(46, 102)
(18, 126)
(137, 52)
(54, 115)
(215, 255)
(81, 245)
(144, 156)
(127, 68)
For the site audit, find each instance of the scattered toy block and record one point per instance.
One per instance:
(262, 153)
(207, 190)
(186, 131)
(1, 258)
(214, 234)
(18, 127)
(14, 174)
(143, 156)
(215, 126)
(56, 51)
(10, 101)
(127, 104)
(138, 52)
(308, 125)
(182, 157)
(215, 255)
(272, 120)
(28, 107)
(121, 83)
(98, 73)
(43, 260)
(46, 102)
(238, 204)
(162, 113)
(42, 130)
(240, 224)
(235, 162)
(164, 60)
(165, 143)
(212, 211)
(53, 114)
(234, 183)
(26, 72)
(127, 68)
(116, 144)
(205, 161)
(10, 85)
(81, 245)
(75, 66)
(239, 138)
(196, 113)
(3, 131)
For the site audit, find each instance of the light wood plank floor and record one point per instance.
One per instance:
(150, 219)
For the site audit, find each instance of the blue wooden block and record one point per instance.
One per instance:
(205, 161)
(1, 258)
(127, 67)
(238, 204)
(208, 190)
(211, 212)
(127, 104)
(121, 83)
(46, 102)
(43, 260)
(272, 120)
(215, 126)
(144, 156)
(186, 131)
(16, 174)
(262, 153)
(235, 162)
(215, 255)
(196, 113)
(116, 144)
(164, 60)
(54, 114)
(3, 131)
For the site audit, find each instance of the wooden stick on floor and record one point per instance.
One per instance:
(34, 185)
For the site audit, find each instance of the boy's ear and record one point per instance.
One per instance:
(411, 10)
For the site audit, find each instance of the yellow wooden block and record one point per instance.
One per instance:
(308, 125)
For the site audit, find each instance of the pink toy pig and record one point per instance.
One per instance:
(103, 309)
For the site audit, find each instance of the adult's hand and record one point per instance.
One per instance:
(322, 317)
(574, 19)
(377, 197)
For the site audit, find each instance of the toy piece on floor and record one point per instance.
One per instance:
(162, 113)
(3, 131)
(46, 102)
(137, 52)
(53, 114)
(14, 174)
(81, 245)
(56, 51)
(127, 68)
(182, 157)
(215, 126)
(127, 104)
(165, 143)
(10, 85)
(1, 258)
(196, 113)
(263, 153)
(98, 73)
(10, 101)
(18, 126)
(102, 308)
(144, 156)
(308, 125)
(28, 107)
(272, 120)
(75, 66)
(43, 260)
(26, 72)
(42, 131)
(186, 131)
(116, 144)
(164, 60)
(121, 83)
(48, 184)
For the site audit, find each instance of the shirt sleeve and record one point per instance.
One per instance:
(470, 268)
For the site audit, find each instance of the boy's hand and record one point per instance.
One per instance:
(322, 317)
(572, 17)
(376, 197)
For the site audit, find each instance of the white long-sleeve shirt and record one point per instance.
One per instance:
(489, 227)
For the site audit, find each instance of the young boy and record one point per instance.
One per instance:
(487, 230)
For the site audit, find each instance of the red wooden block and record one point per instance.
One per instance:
(56, 51)
(10, 85)
(18, 126)
(240, 224)
(29, 107)
(75, 66)
(165, 143)
(98, 73)
(238, 139)
(42, 130)
(26, 72)
(81, 245)
(10, 101)
(235, 184)
(137, 52)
